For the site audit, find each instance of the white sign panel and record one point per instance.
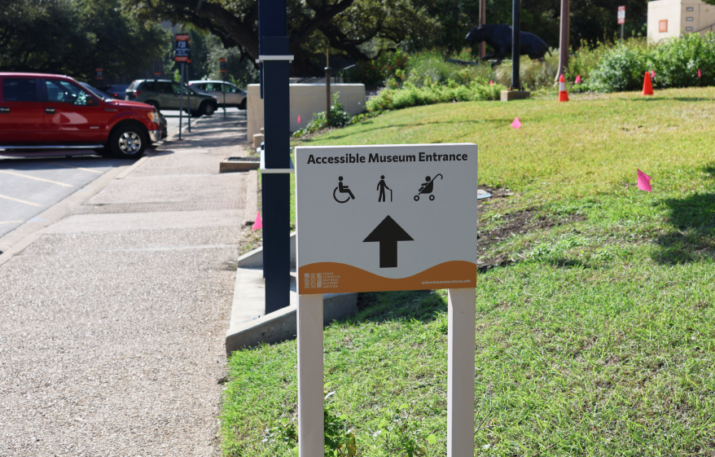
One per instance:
(378, 218)
(621, 14)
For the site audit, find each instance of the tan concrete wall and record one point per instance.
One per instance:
(684, 16)
(660, 10)
(305, 100)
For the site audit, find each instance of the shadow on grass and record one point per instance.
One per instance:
(693, 234)
(420, 305)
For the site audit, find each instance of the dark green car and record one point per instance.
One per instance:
(164, 94)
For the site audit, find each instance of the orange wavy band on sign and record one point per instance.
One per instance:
(333, 277)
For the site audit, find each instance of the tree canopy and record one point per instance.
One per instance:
(75, 37)
(344, 25)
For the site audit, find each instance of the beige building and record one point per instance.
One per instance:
(673, 18)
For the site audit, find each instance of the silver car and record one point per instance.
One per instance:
(235, 96)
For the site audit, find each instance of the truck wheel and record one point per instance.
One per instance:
(128, 142)
(207, 108)
(242, 105)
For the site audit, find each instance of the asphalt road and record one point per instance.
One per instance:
(28, 186)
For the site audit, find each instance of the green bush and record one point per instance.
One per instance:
(338, 118)
(412, 95)
(676, 62)
(373, 73)
(622, 68)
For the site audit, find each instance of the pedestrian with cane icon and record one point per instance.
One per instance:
(381, 186)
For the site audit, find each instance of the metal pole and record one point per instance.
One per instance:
(515, 44)
(181, 95)
(327, 92)
(311, 440)
(188, 97)
(564, 38)
(622, 31)
(276, 121)
(460, 372)
(223, 89)
(482, 21)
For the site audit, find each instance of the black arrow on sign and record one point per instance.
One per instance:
(388, 233)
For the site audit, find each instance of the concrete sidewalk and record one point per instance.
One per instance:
(113, 320)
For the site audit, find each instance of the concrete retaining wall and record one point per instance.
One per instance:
(305, 100)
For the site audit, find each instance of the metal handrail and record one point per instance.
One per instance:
(708, 27)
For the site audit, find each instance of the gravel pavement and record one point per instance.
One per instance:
(113, 321)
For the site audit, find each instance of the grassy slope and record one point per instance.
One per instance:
(594, 338)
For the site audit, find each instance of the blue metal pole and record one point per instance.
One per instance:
(276, 123)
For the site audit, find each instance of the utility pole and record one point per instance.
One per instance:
(482, 21)
(564, 38)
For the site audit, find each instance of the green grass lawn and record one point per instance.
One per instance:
(595, 300)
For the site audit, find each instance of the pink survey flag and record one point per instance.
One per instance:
(700, 75)
(516, 124)
(652, 74)
(491, 82)
(259, 222)
(643, 181)
(299, 118)
(578, 79)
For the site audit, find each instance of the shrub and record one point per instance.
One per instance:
(533, 74)
(620, 69)
(373, 73)
(584, 61)
(338, 118)
(676, 62)
(413, 95)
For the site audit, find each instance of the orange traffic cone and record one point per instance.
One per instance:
(647, 85)
(563, 95)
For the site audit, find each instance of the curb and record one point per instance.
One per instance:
(250, 326)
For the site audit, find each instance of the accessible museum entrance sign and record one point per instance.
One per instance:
(381, 218)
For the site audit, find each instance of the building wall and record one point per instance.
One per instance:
(683, 16)
(663, 10)
(305, 100)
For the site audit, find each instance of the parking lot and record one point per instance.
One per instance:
(28, 186)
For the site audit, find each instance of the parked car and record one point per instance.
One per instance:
(41, 111)
(164, 94)
(117, 90)
(101, 94)
(235, 96)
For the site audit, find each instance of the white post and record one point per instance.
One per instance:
(460, 394)
(310, 376)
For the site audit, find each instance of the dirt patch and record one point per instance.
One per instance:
(516, 223)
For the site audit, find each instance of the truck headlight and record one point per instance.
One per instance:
(154, 116)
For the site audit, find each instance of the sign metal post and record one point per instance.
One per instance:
(223, 86)
(402, 217)
(181, 95)
(188, 96)
(182, 54)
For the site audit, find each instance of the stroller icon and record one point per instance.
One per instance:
(428, 187)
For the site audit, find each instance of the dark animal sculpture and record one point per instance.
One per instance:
(499, 38)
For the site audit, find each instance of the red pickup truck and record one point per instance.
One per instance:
(40, 112)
